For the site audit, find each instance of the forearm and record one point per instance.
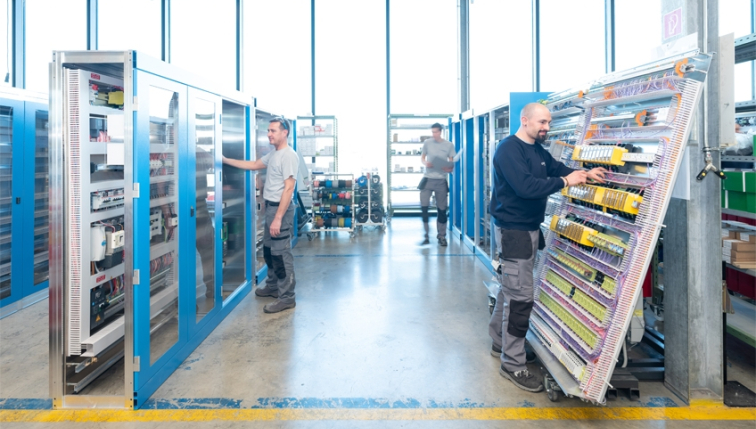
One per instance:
(285, 201)
(244, 165)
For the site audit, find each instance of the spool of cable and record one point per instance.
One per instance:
(362, 203)
(342, 195)
(320, 222)
(376, 216)
(363, 216)
(348, 222)
(335, 184)
(334, 223)
(375, 192)
(341, 222)
(376, 179)
(375, 205)
(316, 183)
(339, 209)
(362, 181)
(334, 208)
(362, 191)
(342, 183)
(349, 184)
(348, 195)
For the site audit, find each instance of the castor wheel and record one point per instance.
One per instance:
(310, 237)
(552, 389)
(552, 394)
(491, 305)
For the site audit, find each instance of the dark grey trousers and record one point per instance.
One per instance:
(441, 188)
(277, 253)
(511, 315)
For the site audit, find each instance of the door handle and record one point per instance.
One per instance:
(18, 200)
(191, 211)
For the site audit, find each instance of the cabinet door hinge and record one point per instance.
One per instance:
(135, 193)
(134, 105)
(137, 364)
(135, 278)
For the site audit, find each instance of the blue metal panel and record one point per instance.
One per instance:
(484, 259)
(250, 232)
(456, 188)
(480, 160)
(17, 261)
(31, 169)
(518, 100)
(469, 182)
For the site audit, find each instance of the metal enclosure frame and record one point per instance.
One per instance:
(128, 65)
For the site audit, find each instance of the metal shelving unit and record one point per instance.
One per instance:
(405, 136)
(319, 145)
(333, 203)
(369, 202)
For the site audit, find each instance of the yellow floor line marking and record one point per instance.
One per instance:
(718, 412)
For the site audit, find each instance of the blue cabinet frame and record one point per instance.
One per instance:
(23, 289)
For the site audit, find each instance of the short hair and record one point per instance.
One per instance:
(529, 109)
(438, 126)
(283, 123)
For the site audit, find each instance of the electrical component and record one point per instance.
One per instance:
(101, 200)
(580, 297)
(551, 340)
(156, 222)
(599, 154)
(608, 243)
(616, 199)
(97, 242)
(584, 270)
(573, 323)
(573, 231)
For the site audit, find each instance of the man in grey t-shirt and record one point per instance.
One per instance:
(437, 157)
(282, 165)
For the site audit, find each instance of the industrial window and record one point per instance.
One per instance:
(735, 17)
(203, 39)
(501, 51)
(277, 63)
(572, 43)
(423, 61)
(350, 73)
(634, 44)
(52, 25)
(6, 62)
(112, 33)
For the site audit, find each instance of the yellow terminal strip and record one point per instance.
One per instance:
(584, 270)
(582, 331)
(623, 201)
(581, 298)
(574, 231)
(599, 154)
(609, 244)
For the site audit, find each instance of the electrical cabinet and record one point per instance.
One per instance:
(24, 194)
(149, 232)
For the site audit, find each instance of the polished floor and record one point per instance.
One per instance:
(386, 333)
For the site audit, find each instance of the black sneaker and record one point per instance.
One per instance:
(426, 241)
(522, 379)
(442, 242)
(530, 356)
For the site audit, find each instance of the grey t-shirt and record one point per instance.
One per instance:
(438, 152)
(282, 164)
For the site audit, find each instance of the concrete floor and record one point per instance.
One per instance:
(378, 319)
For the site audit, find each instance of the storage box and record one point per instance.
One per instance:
(738, 245)
(749, 237)
(736, 257)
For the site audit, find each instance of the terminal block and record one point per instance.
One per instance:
(572, 230)
(573, 323)
(552, 341)
(579, 297)
(103, 200)
(620, 200)
(599, 154)
(585, 271)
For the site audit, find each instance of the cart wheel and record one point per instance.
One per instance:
(310, 236)
(491, 305)
(552, 394)
(351, 234)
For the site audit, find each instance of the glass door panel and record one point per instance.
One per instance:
(234, 199)
(6, 197)
(204, 119)
(41, 198)
(162, 158)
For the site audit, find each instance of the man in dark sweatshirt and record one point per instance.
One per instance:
(525, 174)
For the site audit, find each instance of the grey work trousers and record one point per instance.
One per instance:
(511, 315)
(277, 253)
(441, 188)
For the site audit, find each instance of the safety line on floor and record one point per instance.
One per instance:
(520, 413)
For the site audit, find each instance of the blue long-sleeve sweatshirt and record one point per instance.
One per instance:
(524, 177)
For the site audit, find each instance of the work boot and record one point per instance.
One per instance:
(530, 356)
(425, 241)
(279, 305)
(522, 379)
(269, 290)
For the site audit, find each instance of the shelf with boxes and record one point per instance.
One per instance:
(318, 142)
(332, 203)
(406, 134)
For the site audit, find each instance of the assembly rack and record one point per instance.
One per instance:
(370, 204)
(324, 186)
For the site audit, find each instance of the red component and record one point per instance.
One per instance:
(648, 282)
(95, 76)
(733, 280)
(101, 278)
(746, 285)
